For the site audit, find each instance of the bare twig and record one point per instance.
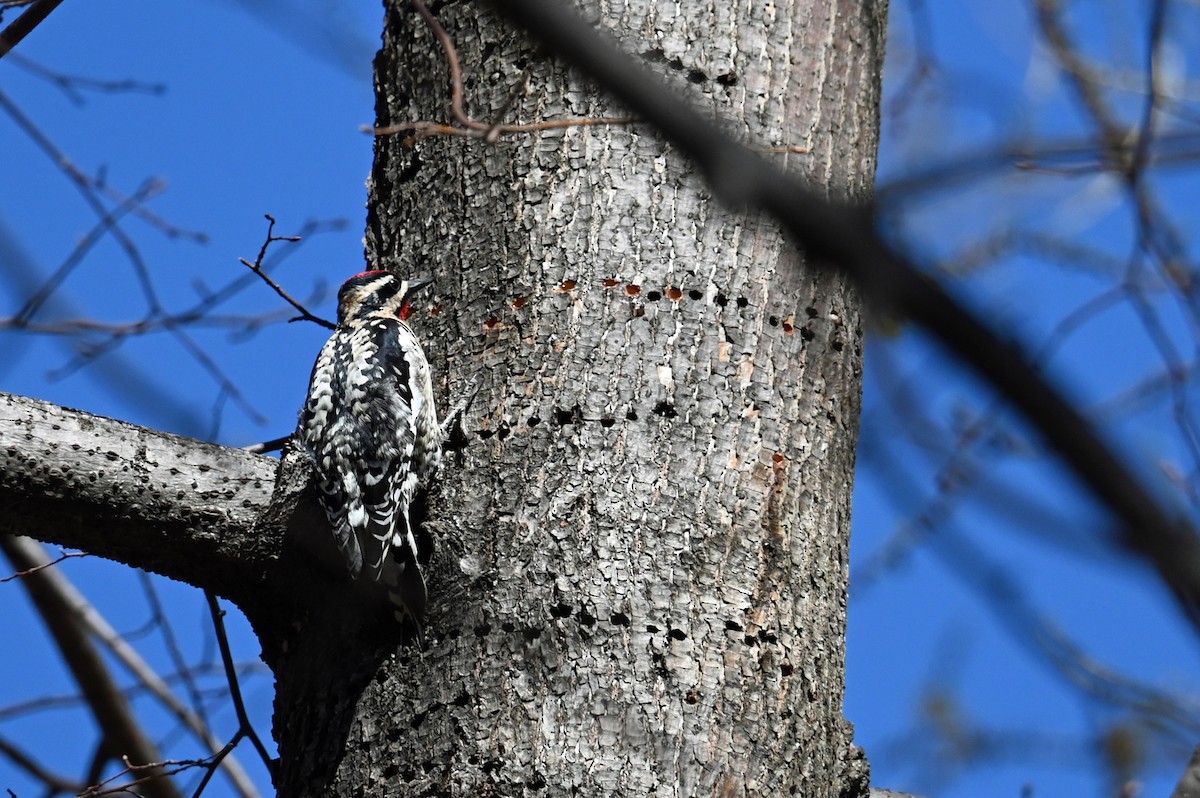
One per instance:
(71, 85)
(166, 767)
(257, 268)
(423, 129)
(161, 620)
(66, 555)
(54, 783)
(109, 706)
(85, 616)
(91, 187)
(30, 18)
(103, 226)
(471, 127)
(245, 727)
(71, 701)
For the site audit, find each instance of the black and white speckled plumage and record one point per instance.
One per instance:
(371, 429)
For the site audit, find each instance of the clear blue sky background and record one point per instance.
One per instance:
(260, 114)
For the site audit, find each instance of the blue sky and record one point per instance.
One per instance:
(260, 114)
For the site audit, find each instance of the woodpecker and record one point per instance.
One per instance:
(370, 427)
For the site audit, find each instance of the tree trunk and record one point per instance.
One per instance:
(640, 580)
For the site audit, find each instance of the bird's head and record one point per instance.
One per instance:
(376, 291)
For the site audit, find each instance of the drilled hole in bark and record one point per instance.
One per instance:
(484, 434)
(777, 457)
(633, 290)
(837, 346)
(502, 433)
(806, 334)
(607, 422)
(733, 626)
(651, 628)
(665, 410)
(742, 302)
(483, 629)
(728, 79)
(675, 63)
(418, 719)
(721, 300)
(391, 771)
(536, 783)
(694, 295)
(492, 323)
(566, 286)
(410, 171)
(674, 294)
(631, 415)
(767, 637)
(696, 76)
(533, 421)
(457, 440)
(691, 696)
(585, 618)
(786, 668)
(773, 321)
(653, 296)
(811, 312)
(560, 610)
(654, 56)
(461, 700)
(507, 627)
(517, 302)
(532, 633)
(563, 417)
(750, 640)
(618, 619)
(788, 328)
(608, 282)
(677, 634)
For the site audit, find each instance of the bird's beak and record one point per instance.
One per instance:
(417, 283)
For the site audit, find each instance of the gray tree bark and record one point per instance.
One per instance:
(645, 541)
(640, 578)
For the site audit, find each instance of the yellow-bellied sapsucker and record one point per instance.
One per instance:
(371, 429)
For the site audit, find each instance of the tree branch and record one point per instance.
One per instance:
(11, 36)
(122, 733)
(176, 506)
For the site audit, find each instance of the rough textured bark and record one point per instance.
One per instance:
(641, 581)
(172, 505)
(641, 573)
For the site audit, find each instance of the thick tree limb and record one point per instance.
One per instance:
(172, 505)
